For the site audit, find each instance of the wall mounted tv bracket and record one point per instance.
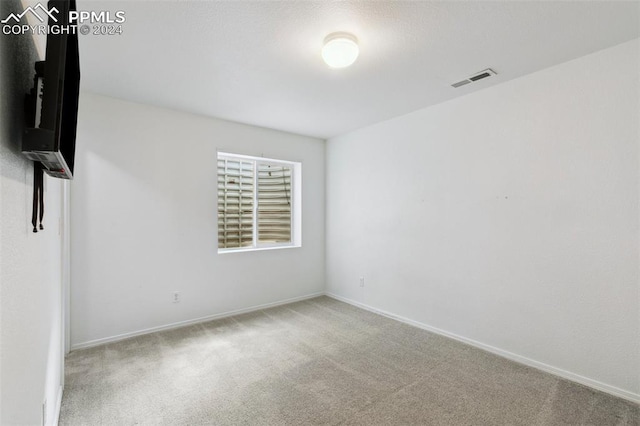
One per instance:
(38, 142)
(33, 108)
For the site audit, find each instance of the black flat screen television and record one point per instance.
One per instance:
(52, 106)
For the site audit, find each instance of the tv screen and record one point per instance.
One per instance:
(52, 105)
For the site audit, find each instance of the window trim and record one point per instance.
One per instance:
(296, 203)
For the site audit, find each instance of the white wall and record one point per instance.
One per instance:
(508, 216)
(144, 220)
(31, 351)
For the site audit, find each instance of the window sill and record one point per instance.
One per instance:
(245, 249)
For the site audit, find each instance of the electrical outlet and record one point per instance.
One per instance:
(361, 281)
(176, 297)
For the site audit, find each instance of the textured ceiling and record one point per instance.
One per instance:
(259, 62)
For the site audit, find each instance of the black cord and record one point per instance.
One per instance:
(38, 196)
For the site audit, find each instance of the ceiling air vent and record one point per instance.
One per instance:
(477, 76)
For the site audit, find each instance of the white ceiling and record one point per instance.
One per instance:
(259, 62)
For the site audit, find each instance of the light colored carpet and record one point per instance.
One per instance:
(318, 362)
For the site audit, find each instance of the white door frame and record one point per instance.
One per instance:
(66, 268)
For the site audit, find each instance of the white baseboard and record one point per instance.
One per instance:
(98, 342)
(56, 417)
(621, 393)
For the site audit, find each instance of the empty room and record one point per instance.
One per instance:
(319, 212)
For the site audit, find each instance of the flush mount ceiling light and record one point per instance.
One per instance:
(340, 50)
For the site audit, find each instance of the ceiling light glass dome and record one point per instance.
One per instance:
(340, 50)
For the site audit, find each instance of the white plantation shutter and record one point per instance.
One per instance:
(235, 203)
(274, 203)
(255, 202)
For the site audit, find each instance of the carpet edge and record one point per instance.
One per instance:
(179, 324)
(573, 377)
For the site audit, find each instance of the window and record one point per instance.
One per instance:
(258, 206)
